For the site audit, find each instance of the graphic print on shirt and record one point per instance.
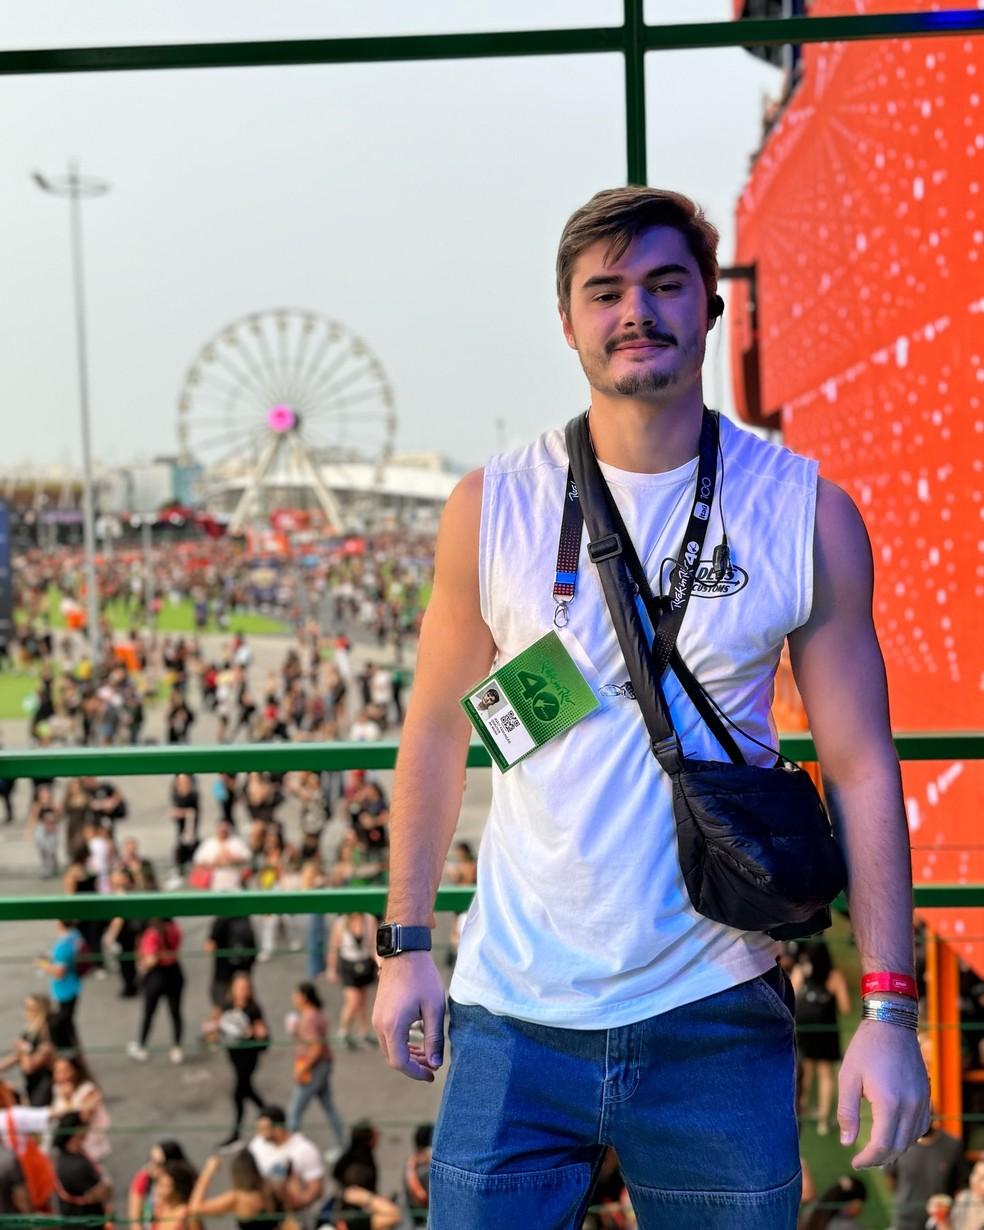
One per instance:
(708, 583)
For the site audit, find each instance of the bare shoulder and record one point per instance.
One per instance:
(842, 551)
(457, 537)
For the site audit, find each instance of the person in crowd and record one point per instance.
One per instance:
(83, 1189)
(968, 1207)
(140, 868)
(273, 872)
(313, 877)
(75, 806)
(306, 787)
(232, 943)
(312, 1060)
(44, 824)
(122, 935)
(163, 978)
(250, 1198)
(938, 1210)
(179, 718)
(225, 859)
(185, 810)
(934, 1164)
(33, 1051)
(243, 1031)
(356, 1176)
(101, 851)
(352, 961)
(840, 1206)
(289, 1161)
(106, 802)
(75, 1089)
(141, 1196)
(173, 1191)
(18, 1127)
(821, 992)
(461, 867)
(64, 983)
(416, 1175)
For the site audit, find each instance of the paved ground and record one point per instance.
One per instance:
(191, 1102)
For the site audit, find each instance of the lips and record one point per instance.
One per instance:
(644, 346)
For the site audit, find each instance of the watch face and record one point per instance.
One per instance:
(385, 941)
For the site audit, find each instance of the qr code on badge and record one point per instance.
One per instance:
(510, 721)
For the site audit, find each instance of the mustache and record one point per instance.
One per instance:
(636, 337)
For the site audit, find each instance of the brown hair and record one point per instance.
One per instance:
(619, 215)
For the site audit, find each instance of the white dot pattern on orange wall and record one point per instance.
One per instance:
(864, 217)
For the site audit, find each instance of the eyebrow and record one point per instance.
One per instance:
(615, 279)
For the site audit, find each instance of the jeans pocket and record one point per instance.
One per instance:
(465, 1198)
(779, 997)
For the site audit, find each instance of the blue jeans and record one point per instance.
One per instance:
(698, 1102)
(319, 1086)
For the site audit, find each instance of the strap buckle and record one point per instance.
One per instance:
(604, 548)
(668, 752)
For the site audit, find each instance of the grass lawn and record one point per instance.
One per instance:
(825, 1156)
(14, 689)
(180, 618)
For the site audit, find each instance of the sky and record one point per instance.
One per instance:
(419, 205)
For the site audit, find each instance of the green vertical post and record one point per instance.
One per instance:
(635, 90)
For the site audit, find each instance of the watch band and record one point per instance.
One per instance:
(394, 938)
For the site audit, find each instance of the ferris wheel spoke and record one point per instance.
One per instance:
(322, 391)
(215, 387)
(229, 436)
(331, 338)
(329, 373)
(251, 379)
(294, 384)
(269, 391)
(341, 403)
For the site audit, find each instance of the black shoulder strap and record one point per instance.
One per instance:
(623, 578)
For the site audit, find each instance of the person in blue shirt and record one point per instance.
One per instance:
(64, 983)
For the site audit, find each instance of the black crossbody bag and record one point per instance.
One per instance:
(755, 844)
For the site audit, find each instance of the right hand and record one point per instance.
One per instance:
(410, 989)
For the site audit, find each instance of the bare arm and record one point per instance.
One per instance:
(840, 673)
(456, 650)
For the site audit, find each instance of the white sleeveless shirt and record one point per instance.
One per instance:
(581, 918)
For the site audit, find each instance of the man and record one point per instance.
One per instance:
(934, 1165)
(84, 1189)
(64, 983)
(226, 856)
(591, 1005)
(290, 1161)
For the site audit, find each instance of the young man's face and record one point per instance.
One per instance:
(639, 324)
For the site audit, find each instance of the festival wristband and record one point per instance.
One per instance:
(898, 984)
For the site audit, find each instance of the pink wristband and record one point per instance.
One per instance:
(898, 984)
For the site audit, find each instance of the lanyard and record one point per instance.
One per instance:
(666, 617)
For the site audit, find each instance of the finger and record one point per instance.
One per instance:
(433, 1014)
(848, 1107)
(398, 1050)
(912, 1125)
(879, 1149)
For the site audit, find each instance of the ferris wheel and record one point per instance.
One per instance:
(278, 393)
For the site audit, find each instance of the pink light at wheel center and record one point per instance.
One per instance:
(281, 418)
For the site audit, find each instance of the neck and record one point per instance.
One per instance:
(645, 437)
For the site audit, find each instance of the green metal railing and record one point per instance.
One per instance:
(280, 758)
(632, 39)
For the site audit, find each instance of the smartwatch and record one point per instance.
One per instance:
(393, 938)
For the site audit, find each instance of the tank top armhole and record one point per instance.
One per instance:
(485, 538)
(809, 531)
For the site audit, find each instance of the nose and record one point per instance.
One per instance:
(638, 310)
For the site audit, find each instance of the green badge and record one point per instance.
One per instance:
(528, 701)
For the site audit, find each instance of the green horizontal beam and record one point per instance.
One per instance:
(283, 757)
(762, 32)
(315, 901)
(213, 904)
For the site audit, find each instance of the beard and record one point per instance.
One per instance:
(647, 378)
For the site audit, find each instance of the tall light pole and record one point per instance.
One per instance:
(75, 188)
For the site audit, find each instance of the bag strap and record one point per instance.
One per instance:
(623, 581)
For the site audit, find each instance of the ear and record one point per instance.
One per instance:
(566, 326)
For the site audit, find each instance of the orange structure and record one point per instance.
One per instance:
(863, 216)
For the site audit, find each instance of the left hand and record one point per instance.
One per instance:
(883, 1063)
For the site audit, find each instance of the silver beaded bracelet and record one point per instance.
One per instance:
(891, 1011)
